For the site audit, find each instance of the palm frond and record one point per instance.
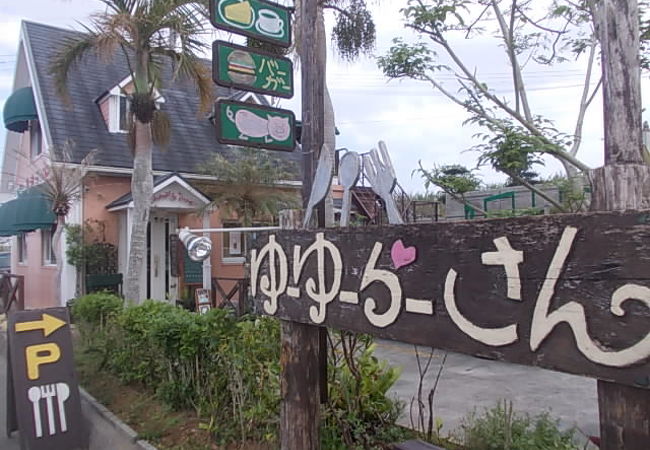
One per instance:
(63, 182)
(247, 185)
(189, 67)
(70, 54)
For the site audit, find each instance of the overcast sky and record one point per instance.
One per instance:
(416, 123)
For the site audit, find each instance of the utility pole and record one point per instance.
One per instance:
(622, 184)
(302, 355)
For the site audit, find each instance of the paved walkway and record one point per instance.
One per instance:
(469, 383)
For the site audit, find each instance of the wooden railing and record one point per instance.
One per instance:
(12, 292)
(230, 293)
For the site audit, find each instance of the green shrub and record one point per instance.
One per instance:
(500, 428)
(359, 413)
(96, 308)
(228, 370)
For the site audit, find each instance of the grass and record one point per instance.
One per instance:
(136, 406)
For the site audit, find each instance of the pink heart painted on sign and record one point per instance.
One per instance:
(402, 256)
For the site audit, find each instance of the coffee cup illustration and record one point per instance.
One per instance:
(269, 23)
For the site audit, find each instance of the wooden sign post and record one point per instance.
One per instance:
(622, 184)
(301, 362)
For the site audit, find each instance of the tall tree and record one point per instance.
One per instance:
(150, 34)
(545, 33)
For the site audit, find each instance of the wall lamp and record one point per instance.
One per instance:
(198, 247)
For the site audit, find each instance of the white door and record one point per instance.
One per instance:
(162, 286)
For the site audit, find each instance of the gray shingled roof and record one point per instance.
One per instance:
(193, 138)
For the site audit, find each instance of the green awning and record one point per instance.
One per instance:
(30, 211)
(19, 110)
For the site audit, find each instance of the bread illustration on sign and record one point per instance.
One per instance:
(250, 125)
(239, 13)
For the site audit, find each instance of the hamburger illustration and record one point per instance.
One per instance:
(241, 67)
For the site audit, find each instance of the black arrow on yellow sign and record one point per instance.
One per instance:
(49, 324)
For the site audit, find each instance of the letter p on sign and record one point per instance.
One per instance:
(39, 354)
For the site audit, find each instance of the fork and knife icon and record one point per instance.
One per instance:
(46, 392)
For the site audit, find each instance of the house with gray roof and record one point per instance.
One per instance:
(43, 130)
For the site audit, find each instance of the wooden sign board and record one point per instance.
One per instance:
(46, 392)
(563, 292)
(251, 70)
(175, 249)
(259, 19)
(203, 300)
(249, 125)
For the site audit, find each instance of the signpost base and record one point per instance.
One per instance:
(624, 412)
(299, 387)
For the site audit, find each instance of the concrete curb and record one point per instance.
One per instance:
(106, 430)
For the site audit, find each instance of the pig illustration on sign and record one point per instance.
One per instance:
(250, 125)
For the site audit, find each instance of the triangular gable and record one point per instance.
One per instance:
(171, 192)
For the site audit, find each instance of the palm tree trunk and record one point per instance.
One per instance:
(142, 190)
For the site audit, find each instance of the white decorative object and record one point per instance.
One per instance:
(381, 175)
(349, 170)
(321, 184)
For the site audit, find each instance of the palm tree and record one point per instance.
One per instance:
(247, 185)
(148, 33)
(62, 185)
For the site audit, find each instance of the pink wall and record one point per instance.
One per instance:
(104, 109)
(39, 279)
(29, 170)
(100, 191)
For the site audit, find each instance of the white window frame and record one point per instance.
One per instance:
(35, 139)
(227, 258)
(114, 113)
(21, 246)
(47, 248)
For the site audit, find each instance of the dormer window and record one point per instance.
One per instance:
(124, 108)
(116, 107)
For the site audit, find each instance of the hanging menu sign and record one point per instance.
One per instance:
(262, 20)
(251, 70)
(250, 125)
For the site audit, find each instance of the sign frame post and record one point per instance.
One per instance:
(302, 378)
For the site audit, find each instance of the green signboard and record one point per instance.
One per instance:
(257, 71)
(259, 19)
(251, 125)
